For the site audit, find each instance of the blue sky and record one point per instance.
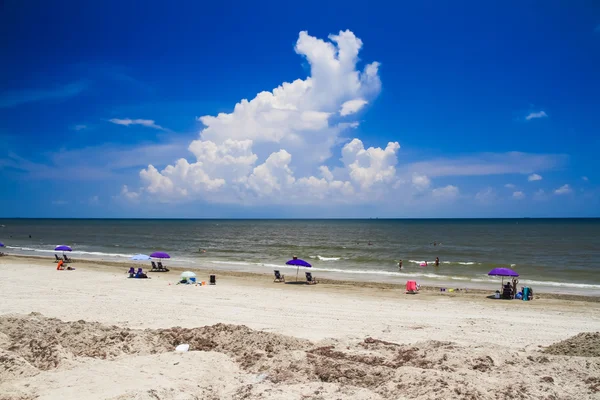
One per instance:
(435, 109)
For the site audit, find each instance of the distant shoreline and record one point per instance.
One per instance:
(304, 219)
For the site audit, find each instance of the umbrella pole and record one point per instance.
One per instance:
(297, 270)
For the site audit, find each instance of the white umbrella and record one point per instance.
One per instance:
(187, 275)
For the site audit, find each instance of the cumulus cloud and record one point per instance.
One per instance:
(421, 182)
(370, 166)
(518, 195)
(352, 106)
(564, 189)
(144, 122)
(281, 139)
(536, 115)
(509, 186)
(534, 177)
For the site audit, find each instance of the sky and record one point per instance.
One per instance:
(301, 110)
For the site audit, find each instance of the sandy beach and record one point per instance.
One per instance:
(93, 334)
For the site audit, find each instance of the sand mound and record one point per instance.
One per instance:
(586, 344)
(268, 365)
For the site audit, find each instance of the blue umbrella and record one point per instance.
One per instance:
(139, 257)
(1, 244)
(299, 263)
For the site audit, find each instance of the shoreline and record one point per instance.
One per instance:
(466, 292)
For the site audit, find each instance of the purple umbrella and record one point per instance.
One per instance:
(502, 272)
(159, 254)
(299, 263)
(1, 244)
(62, 247)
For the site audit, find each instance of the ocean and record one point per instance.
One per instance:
(559, 255)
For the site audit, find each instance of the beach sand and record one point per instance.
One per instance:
(94, 334)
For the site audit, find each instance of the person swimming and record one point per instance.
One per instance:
(400, 265)
(437, 261)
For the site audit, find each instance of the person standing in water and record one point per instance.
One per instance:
(437, 261)
(400, 265)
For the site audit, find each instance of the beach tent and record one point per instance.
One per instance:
(503, 272)
(298, 263)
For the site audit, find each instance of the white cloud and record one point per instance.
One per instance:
(352, 106)
(585, 178)
(564, 189)
(144, 122)
(80, 127)
(281, 147)
(447, 192)
(534, 177)
(509, 186)
(370, 166)
(518, 195)
(293, 129)
(60, 202)
(421, 182)
(535, 115)
(131, 196)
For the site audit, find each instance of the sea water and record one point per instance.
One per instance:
(559, 254)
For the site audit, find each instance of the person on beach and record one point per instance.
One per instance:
(437, 261)
(59, 266)
(400, 265)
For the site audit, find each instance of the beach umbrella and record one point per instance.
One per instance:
(62, 247)
(502, 272)
(1, 244)
(140, 257)
(298, 263)
(160, 254)
(187, 275)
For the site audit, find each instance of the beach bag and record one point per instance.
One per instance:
(526, 293)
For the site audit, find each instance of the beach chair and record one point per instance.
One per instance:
(213, 279)
(278, 277)
(67, 259)
(411, 287)
(161, 268)
(154, 267)
(58, 258)
(310, 279)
